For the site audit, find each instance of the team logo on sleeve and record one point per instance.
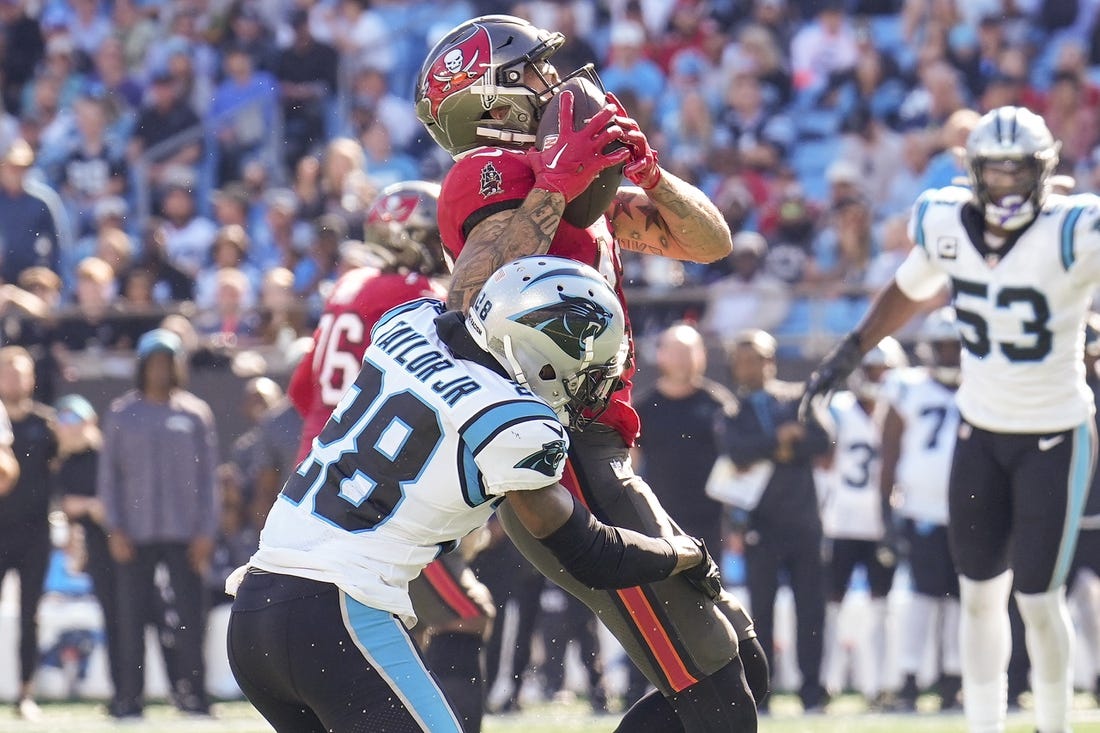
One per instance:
(546, 460)
(492, 182)
(570, 323)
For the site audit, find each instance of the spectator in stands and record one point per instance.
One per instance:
(27, 311)
(169, 283)
(944, 167)
(188, 235)
(92, 171)
(762, 137)
(790, 224)
(1070, 117)
(230, 322)
(874, 149)
(88, 27)
(27, 445)
(97, 323)
(385, 165)
(23, 50)
(165, 118)
(282, 315)
(343, 186)
(307, 73)
(156, 480)
(689, 137)
(277, 454)
(242, 113)
(232, 205)
(909, 172)
(371, 98)
(938, 94)
(320, 261)
(843, 252)
(757, 47)
(823, 47)
(280, 237)
(230, 250)
(872, 86)
(361, 37)
(628, 70)
(135, 31)
(750, 297)
(249, 31)
(782, 533)
(111, 82)
(113, 246)
(29, 227)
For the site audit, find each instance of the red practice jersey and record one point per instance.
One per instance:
(487, 180)
(358, 300)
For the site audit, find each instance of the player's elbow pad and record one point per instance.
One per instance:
(602, 556)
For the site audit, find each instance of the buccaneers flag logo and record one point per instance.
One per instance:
(395, 208)
(459, 67)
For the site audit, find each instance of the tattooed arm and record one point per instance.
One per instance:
(673, 219)
(501, 238)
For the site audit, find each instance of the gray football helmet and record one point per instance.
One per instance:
(866, 380)
(939, 347)
(403, 219)
(1014, 145)
(480, 66)
(557, 328)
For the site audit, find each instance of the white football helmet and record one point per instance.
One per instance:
(558, 329)
(1014, 146)
(939, 347)
(866, 380)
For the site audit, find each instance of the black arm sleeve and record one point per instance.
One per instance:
(602, 556)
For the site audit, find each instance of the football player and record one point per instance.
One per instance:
(451, 417)
(852, 517)
(480, 94)
(455, 610)
(918, 439)
(1022, 264)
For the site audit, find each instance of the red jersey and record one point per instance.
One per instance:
(487, 180)
(357, 301)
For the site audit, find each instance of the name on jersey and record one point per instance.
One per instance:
(415, 353)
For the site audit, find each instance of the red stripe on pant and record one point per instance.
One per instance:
(642, 613)
(450, 591)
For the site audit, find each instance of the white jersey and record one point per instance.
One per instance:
(927, 443)
(414, 457)
(1021, 307)
(853, 504)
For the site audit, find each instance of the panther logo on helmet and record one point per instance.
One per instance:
(459, 67)
(570, 323)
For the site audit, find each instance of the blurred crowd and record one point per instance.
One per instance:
(215, 156)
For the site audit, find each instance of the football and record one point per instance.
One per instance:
(588, 99)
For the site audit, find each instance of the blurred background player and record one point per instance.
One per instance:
(855, 530)
(918, 438)
(402, 234)
(504, 198)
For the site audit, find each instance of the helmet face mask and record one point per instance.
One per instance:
(557, 328)
(487, 82)
(1010, 157)
(866, 381)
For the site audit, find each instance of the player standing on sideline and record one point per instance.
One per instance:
(918, 438)
(480, 94)
(1022, 264)
(851, 515)
(450, 418)
(402, 231)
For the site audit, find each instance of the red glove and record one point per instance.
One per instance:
(573, 161)
(642, 170)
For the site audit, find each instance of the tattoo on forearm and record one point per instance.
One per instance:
(674, 218)
(529, 231)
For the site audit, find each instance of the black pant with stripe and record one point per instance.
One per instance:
(311, 659)
(1015, 501)
(676, 636)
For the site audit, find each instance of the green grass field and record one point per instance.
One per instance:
(845, 716)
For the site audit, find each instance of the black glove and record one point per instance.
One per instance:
(829, 374)
(705, 575)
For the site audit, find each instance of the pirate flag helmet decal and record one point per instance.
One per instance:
(481, 66)
(557, 328)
